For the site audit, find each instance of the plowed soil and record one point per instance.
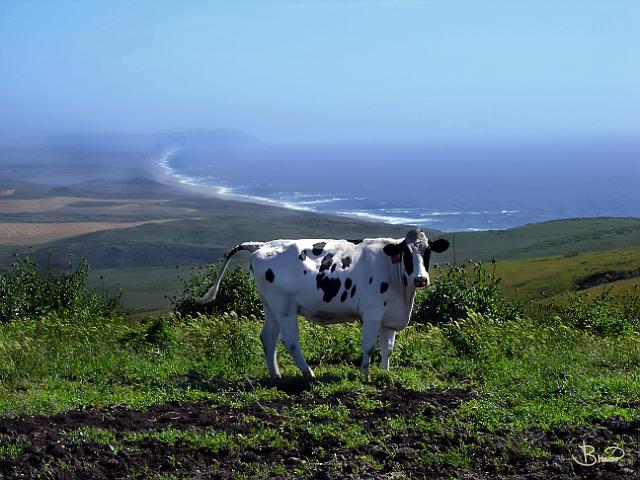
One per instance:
(47, 450)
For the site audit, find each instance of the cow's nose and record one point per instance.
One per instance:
(422, 281)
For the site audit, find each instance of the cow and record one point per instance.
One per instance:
(336, 281)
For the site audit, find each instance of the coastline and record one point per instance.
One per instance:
(452, 216)
(161, 172)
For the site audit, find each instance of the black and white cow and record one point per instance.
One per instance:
(336, 281)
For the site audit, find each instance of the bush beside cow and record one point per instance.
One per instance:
(336, 281)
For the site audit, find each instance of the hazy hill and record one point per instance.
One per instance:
(67, 159)
(197, 138)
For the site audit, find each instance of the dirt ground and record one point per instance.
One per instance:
(48, 451)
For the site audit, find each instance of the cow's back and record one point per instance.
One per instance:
(326, 279)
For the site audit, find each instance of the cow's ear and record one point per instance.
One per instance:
(439, 245)
(394, 250)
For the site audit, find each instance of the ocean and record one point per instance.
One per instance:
(444, 187)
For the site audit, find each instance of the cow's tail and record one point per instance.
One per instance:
(213, 291)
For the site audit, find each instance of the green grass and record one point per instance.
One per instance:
(540, 369)
(524, 373)
(10, 450)
(521, 374)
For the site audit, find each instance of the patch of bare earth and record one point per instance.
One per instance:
(35, 205)
(46, 448)
(13, 233)
(62, 204)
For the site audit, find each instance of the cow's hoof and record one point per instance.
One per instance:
(310, 376)
(366, 375)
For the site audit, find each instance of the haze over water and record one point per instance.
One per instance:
(470, 187)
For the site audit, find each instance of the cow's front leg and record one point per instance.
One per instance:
(291, 340)
(387, 341)
(370, 328)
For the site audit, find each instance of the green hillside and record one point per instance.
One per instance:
(560, 237)
(548, 276)
(540, 260)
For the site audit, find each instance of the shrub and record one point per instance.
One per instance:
(604, 314)
(458, 291)
(159, 333)
(237, 293)
(26, 292)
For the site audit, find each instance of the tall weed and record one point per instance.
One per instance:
(603, 314)
(458, 291)
(237, 293)
(27, 292)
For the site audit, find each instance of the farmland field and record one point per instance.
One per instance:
(24, 233)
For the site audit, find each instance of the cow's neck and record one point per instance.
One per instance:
(409, 290)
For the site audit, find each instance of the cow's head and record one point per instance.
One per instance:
(414, 252)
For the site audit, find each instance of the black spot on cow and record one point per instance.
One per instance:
(330, 286)
(408, 259)
(343, 297)
(318, 248)
(333, 267)
(251, 268)
(393, 249)
(353, 291)
(303, 255)
(370, 280)
(269, 275)
(385, 303)
(346, 263)
(326, 262)
(384, 286)
(305, 272)
(404, 280)
(355, 242)
(426, 258)
(347, 283)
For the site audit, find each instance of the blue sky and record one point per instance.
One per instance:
(330, 71)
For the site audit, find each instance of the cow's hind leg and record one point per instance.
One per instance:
(291, 340)
(269, 336)
(386, 341)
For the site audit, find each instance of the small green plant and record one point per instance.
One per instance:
(458, 291)
(89, 434)
(159, 333)
(27, 292)
(10, 450)
(237, 293)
